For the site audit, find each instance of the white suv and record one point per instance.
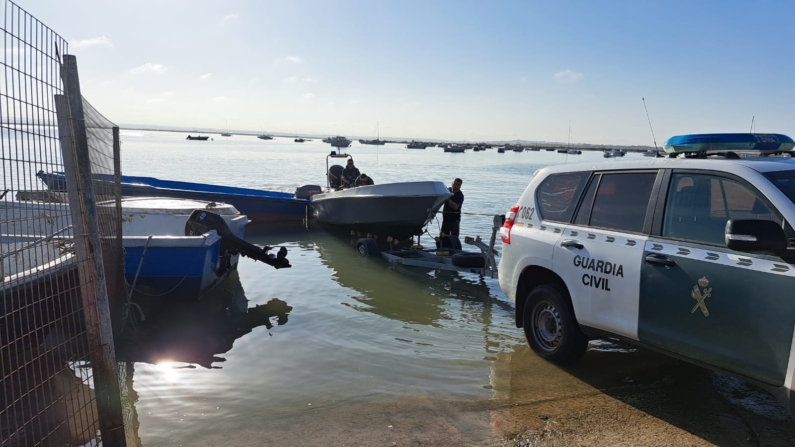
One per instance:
(691, 255)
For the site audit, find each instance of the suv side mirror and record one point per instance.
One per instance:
(755, 236)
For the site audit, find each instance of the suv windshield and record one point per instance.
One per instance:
(785, 181)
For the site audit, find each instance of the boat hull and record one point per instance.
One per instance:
(174, 264)
(400, 210)
(259, 206)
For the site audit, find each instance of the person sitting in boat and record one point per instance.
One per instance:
(350, 174)
(364, 180)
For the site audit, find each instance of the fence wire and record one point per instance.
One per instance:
(48, 394)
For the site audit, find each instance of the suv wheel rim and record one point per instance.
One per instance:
(362, 250)
(547, 327)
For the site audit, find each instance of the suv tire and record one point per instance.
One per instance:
(550, 327)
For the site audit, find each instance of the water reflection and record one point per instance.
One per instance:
(409, 294)
(197, 333)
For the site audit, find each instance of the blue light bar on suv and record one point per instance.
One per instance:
(725, 142)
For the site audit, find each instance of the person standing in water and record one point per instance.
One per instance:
(451, 213)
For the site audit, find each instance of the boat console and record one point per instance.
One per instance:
(202, 221)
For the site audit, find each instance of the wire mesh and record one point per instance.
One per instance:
(47, 386)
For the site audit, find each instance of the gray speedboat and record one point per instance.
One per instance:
(400, 210)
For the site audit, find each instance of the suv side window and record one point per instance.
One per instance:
(584, 213)
(699, 205)
(621, 201)
(558, 194)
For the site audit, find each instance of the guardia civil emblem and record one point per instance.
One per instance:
(700, 293)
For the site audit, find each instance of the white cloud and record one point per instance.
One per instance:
(101, 41)
(309, 95)
(569, 76)
(291, 80)
(206, 76)
(154, 100)
(149, 68)
(310, 80)
(293, 59)
(221, 99)
(230, 18)
(169, 93)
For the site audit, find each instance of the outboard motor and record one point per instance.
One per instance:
(335, 176)
(202, 221)
(307, 191)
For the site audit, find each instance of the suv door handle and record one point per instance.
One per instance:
(571, 243)
(660, 260)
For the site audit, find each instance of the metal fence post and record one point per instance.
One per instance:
(89, 250)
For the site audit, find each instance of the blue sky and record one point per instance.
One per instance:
(437, 69)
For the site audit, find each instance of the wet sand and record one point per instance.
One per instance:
(630, 399)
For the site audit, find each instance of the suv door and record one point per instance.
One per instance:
(699, 299)
(599, 254)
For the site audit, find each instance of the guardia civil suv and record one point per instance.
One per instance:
(691, 254)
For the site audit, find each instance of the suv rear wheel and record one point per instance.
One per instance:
(550, 327)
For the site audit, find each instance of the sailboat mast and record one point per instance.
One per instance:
(568, 143)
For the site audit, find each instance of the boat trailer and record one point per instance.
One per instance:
(451, 258)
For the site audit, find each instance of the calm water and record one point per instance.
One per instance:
(337, 340)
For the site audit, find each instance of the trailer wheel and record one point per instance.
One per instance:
(367, 247)
(468, 259)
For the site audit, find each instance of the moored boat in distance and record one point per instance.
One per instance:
(197, 137)
(501, 150)
(226, 134)
(416, 145)
(338, 141)
(373, 142)
(455, 149)
(264, 137)
(299, 140)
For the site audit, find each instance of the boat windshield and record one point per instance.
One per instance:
(785, 181)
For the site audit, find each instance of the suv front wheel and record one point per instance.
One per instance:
(550, 327)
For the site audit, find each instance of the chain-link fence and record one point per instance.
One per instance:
(61, 252)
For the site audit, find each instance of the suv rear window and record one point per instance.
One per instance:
(558, 194)
(622, 200)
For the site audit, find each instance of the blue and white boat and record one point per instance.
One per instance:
(257, 205)
(158, 256)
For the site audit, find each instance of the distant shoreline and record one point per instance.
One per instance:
(218, 132)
